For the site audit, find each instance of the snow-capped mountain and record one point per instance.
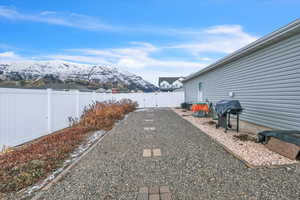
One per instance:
(65, 71)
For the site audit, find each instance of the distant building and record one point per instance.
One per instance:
(114, 90)
(170, 83)
(101, 90)
(2, 75)
(108, 91)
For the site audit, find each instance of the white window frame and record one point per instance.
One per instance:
(200, 92)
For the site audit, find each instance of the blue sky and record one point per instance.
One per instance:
(151, 38)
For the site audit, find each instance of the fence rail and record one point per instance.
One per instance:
(26, 114)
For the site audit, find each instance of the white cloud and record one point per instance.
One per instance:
(217, 39)
(51, 17)
(205, 59)
(47, 12)
(139, 57)
(220, 39)
(225, 29)
(80, 21)
(144, 58)
(79, 59)
(132, 57)
(9, 56)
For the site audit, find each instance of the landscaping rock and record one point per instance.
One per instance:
(3, 196)
(243, 145)
(192, 165)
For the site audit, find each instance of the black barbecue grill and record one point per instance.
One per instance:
(224, 109)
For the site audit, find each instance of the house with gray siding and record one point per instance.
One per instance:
(264, 76)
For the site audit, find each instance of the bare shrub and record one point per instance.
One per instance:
(102, 115)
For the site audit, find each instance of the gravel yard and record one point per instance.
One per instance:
(191, 164)
(257, 155)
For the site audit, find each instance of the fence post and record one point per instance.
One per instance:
(49, 94)
(93, 96)
(77, 104)
(156, 99)
(111, 96)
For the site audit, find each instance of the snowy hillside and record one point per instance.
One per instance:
(65, 71)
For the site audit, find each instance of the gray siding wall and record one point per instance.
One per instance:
(267, 83)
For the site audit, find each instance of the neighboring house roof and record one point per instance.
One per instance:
(165, 84)
(280, 34)
(101, 90)
(169, 80)
(177, 83)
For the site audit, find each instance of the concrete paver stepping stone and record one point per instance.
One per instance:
(154, 190)
(154, 197)
(144, 190)
(143, 193)
(155, 193)
(156, 152)
(166, 196)
(142, 196)
(164, 189)
(165, 193)
(147, 153)
(149, 128)
(149, 120)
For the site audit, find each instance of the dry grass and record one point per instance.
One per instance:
(210, 122)
(27, 165)
(103, 115)
(245, 137)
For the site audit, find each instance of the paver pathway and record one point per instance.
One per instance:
(189, 166)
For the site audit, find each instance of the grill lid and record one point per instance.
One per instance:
(224, 106)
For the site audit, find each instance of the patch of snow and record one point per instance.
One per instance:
(143, 110)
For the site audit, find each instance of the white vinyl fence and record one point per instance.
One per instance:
(26, 114)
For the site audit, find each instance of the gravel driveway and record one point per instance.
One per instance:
(191, 164)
